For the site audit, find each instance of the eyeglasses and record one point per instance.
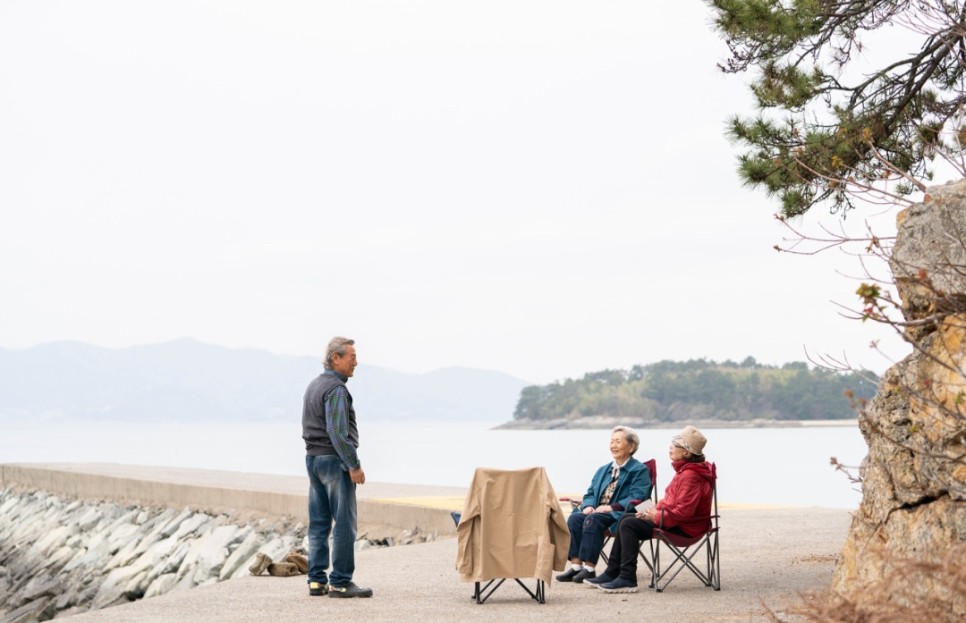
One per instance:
(677, 441)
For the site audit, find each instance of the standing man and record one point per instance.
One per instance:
(331, 439)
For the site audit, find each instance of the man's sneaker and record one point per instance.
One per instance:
(349, 590)
(317, 589)
(620, 585)
(568, 575)
(603, 578)
(584, 574)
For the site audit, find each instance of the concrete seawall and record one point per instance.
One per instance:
(383, 508)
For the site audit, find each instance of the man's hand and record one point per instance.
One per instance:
(358, 476)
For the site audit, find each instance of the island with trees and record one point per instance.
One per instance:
(707, 392)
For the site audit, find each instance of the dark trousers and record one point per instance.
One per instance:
(631, 531)
(587, 535)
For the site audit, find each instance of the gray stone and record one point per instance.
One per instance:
(97, 549)
(192, 525)
(242, 553)
(172, 526)
(214, 552)
(40, 586)
(161, 585)
(28, 612)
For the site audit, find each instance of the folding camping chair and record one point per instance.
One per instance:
(608, 535)
(511, 526)
(651, 465)
(685, 549)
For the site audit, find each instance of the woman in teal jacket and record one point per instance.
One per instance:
(612, 488)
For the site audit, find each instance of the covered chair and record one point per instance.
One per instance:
(697, 554)
(511, 527)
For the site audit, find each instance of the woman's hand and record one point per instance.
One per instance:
(604, 508)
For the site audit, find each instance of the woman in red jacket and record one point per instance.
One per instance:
(684, 510)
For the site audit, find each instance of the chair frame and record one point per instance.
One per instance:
(539, 593)
(685, 549)
(651, 465)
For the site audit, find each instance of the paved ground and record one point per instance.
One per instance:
(768, 557)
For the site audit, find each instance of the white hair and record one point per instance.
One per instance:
(630, 435)
(336, 347)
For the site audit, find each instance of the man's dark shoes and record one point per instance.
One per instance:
(603, 578)
(568, 575)
(318, 589)
(349, 590)
(584, 574)
(620, 585)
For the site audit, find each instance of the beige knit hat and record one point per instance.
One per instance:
(691, 439)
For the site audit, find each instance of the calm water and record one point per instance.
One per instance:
(786, 466)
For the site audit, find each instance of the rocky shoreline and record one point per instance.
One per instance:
(60, 556)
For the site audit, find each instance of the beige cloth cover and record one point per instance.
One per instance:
(512, 527)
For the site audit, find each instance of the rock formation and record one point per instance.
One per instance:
(59, 557)
(909, 533)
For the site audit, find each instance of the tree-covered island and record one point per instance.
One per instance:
(698, 390)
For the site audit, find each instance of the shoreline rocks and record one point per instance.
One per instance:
(60, 556)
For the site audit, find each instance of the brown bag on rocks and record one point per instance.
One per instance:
(294, 564)
(299, 561)
(261, 563)
(283, 569)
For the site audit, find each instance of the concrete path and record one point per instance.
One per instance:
(768, 557)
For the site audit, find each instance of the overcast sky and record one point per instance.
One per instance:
(537, 187)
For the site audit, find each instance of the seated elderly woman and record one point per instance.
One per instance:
(611, 489)
(684, 510)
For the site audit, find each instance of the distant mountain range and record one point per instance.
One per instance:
(190, 380)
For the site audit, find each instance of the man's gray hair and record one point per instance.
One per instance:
(336, 347)
(630, 435)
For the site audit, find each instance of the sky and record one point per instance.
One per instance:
(538, 187)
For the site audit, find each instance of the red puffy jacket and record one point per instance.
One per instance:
(687, 499)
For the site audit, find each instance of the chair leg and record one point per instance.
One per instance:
(684, 559)
(482, 592)
(478, 593)
(714, 564)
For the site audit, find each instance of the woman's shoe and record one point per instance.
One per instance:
(603, 578)
(620, 585)
(568, 575)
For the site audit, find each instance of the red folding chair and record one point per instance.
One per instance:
(685, 549)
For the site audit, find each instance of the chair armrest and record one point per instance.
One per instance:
(664, 512)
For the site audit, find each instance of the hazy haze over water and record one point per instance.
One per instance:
(784, 466)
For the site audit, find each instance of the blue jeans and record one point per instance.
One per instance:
(332, 498)
(587, 535)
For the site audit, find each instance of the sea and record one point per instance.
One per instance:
(782, 466)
